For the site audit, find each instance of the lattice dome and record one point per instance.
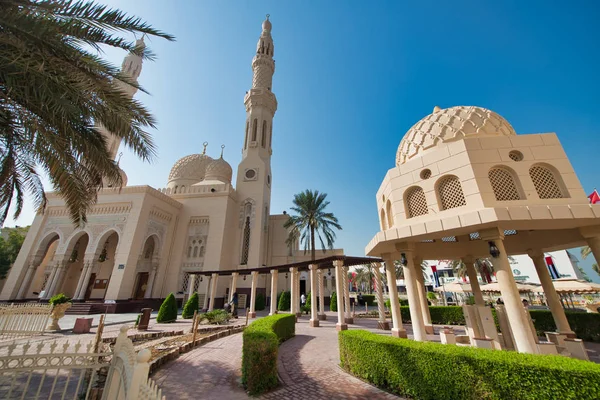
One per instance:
(192, 167)
(219, 170)
(450, 124)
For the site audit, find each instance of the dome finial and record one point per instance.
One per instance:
(204, 144)
(222, 148)
(266, 25)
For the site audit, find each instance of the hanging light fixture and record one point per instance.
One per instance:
(403, 260)
(494, 251)
(329, 271)
(244, 277)
(286, 275)
(200, 278)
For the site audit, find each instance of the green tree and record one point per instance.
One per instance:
(190, 306)
(168, 310)
(10, 247)
(311, 221)
(400, 269)
(333, 302)
(284, 302)
(260, 302)
(364, 274)
(585, 253)
(55, 93)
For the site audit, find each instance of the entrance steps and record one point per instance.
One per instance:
(86, 309)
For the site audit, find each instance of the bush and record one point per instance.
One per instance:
(585, 325)
(259, 351)
(431, 296)
(425, 370)
(190, 306)
(403, 302)
(284, 301)
(216, 317)
(369, 299)
(59, 299)
(333, 302)
(168, 310)
(259, 303)
(306, 307)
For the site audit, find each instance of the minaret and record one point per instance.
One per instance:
(132, 67)
(254, 171)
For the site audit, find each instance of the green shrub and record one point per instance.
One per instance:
(585, 325)
(403, 302)
(259, 351)
(284, 301)
(259, 303)
(426, 370)
(190, 306)
(369, 299)
(306, 307)
(137, 320)
(59, 299)
(333, 302)
(216, 317)
(168, 310)
(431, 296)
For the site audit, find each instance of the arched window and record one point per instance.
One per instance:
(195, 251)
(271, 135)
(263, 139)
(190, 252)
(450, 193)
(503, 184)
(175, 190)
(254, 127)
(383, 219)
(416, 203)
(545, 182)
(202, 251)
(247, 133)
(246, 242)
(390, 216)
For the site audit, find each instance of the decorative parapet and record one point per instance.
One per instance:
(200, 189)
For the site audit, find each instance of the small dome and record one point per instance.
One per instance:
(266, 25)
(219, 170)
(448, 125)
(192, 167)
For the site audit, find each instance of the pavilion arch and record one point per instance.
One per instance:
(96, 250)
(390, 214)
(505, 183)
(449, 192)
(547, 182)
(70, 243)
(151, 247)
(44, 246)
(415, 202)
(383, 219)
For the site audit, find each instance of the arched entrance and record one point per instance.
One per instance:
(146, 269)
(74, 265)
(40, 267)
(100, 267)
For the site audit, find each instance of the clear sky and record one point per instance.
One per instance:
(353, 76)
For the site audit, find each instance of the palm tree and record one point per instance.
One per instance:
(585, 252)
(311, 221)
(364, 274)
(400, 270)
(482, 265)
(55, 91)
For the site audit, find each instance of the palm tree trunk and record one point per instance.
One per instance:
(312, 244)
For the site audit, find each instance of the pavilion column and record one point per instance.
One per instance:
(314, 319)
(390, 269)
(151, 278)
(519, 324)
(207, 295)
(594, 243)
(233, 286)
(274, 277)
(83, 280)
(59, 270)
(473, 281)
(320, 275)
(213, 291)
(382, 323)
(298, 294)
(26, 281)
(341, 324)
(349, 319)
(293, 293)
(253, 294)
(191, 284)
(414, 302)
(422, 291)
(558, 312)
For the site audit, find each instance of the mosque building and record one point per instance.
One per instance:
(142, 243)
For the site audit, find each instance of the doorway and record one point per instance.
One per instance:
(303, 287)
(90, 286)
(140, 287)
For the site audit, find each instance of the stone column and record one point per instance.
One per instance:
(26, 281)
(473, 281)
(191, 284)
(422, 290)
(322, 316)
(349, 319)
(151, 278)
(252, 313)
(293, 291)
(382, 323)
(414, 302)
(594, 243)
(56, 282)
(50, 281)
(274, 277)
(207, 295)
(297, 300)
(558, 312)
(85, 278)
(397, 328)
(519, 324)
(341, 324)
(214, 280)
(233, 287)
(314, 319)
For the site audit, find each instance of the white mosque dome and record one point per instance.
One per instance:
(448, 125)
(189, 169)
(219, 170)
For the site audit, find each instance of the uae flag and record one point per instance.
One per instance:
(594, 197)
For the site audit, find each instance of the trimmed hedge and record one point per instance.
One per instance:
(368, 298)
(284, 301)
(333, 302)
(585, 325)
(426, 370)
(259, 303)
(168, 310)
(190, 306)
(259, 351)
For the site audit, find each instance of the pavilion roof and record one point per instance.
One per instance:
(323, 263)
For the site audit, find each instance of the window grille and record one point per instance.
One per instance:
(510, 232)
(254, 127)
(503, 184)
(263, 137)
(416, 203)
(515, 155)
(247, 134)
(428, 241)
(246, 242)
(450, 193)
(449, 239)
(425, 174)
(474, 236)
(390, 217)
(545, 183)
(185, 281)
(196, 283)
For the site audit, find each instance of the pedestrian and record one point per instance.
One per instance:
(233, 304)
(303, 300)
(360, 299)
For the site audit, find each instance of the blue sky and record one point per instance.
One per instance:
(352, 77)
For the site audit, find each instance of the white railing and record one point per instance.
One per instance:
(27, 319)
(128, 374)
(45, 370)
